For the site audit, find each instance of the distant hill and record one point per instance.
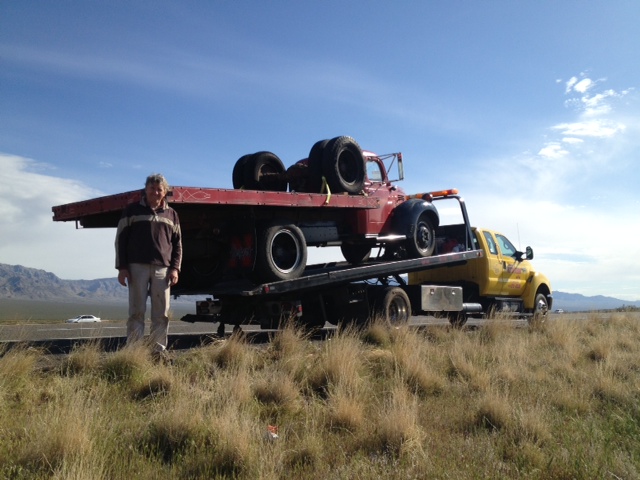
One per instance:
(20, 282)
(23, 283)
(574, 302)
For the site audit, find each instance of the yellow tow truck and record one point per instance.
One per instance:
(502, 280)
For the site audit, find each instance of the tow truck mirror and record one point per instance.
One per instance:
(400, 168)
(526, 255)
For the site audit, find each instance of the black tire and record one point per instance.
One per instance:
(355, 253)
(313, 183)
(264, 171)
(238, 175)
(281, 253)
(392, 305)
(540, 309)
(423, 240)
(343, 165)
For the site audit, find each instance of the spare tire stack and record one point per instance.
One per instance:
(339, 161)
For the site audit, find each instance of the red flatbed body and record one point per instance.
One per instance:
(99, 212)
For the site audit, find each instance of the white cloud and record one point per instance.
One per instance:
(570, 83)
(29, 235)
(591, 128)
(583, 85)
(591, 105)
(572, 140)
(553, 150)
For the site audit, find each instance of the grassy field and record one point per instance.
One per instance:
(559, 400)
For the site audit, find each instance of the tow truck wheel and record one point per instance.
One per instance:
(264, 171)
(393, 306)
(237, 176)
(540, 309)
(423, 241)
(355, 253)
(343, 165)
(281, 253)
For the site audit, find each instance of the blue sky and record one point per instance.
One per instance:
(531, 109)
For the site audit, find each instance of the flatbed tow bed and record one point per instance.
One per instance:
(335, 293)
(321, 275)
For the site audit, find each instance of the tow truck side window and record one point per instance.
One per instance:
(506, 247)
(492, 246)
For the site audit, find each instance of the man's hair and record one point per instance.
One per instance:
(155, 178)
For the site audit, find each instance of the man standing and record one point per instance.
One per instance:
(148, 258)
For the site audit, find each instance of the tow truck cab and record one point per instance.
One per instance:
(503, 278)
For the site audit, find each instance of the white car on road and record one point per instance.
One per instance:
(84, 319)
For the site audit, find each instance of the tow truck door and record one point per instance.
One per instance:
(513, 276)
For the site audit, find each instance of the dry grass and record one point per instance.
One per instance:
(558, 400)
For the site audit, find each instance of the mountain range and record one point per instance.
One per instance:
(18, 282)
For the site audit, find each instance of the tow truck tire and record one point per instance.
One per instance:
(540, 309)
(392, 305)
(423, 240)
(344, 166)
(264, 171)
(281, 253)
(355, 253)
(237, 176)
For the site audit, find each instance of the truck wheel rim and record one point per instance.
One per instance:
(423, 237)
(398, 312)
(286, 251)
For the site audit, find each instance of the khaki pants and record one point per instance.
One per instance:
(148, 280)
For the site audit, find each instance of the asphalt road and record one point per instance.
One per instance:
(61, 338)
(29, 332)
(105, 329)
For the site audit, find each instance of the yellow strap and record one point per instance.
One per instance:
(325, 188)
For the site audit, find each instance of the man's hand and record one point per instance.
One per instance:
(123, 276)
(172, 277)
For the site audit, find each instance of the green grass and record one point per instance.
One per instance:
(561, 400)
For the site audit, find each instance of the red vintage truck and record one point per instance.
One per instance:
(261, 229)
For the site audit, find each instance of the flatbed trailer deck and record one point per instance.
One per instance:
(333, 274)
(105, 211)
(337, 293)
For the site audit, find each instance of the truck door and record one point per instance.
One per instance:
(513, 277)
(370, 221)
(493, 275)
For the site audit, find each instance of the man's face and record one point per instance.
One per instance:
(155, 193)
